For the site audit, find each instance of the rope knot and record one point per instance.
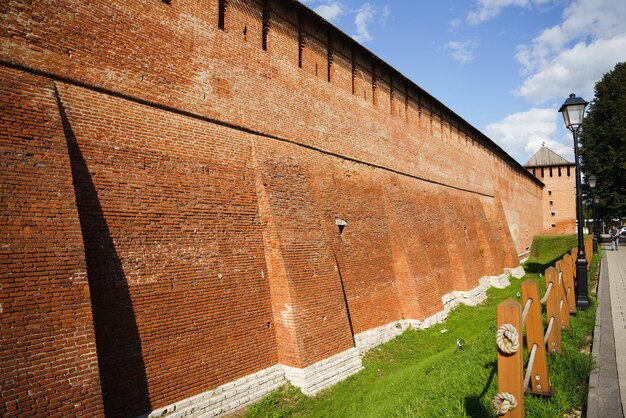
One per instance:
(503, 402)
(507, 339)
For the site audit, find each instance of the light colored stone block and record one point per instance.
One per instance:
(371, 338)
(327, 372)
(517, 272)
(226, 398)
(316, 377)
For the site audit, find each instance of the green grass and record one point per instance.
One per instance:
(423, 374)
(547, 249)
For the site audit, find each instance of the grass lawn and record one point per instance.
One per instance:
(547, 249)
(422, 373)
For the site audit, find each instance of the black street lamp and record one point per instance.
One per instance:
(596, 200)
(591, 181)
(573, 111)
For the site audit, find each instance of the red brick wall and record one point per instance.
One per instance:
(559, 198)
(179, 201)
(197, 178)
(48, 363)
(522, 206)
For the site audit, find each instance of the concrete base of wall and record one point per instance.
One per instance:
(325, 373)
(517, 272)
(477, 295)
(250, 389)
(371, 338)
(226, 398)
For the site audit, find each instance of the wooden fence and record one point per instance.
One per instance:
(559, 302)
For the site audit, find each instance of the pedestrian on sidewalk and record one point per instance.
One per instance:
(614, 238)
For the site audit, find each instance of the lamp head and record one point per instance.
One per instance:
(573, 111)
(591, 181)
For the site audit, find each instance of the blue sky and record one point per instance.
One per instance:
(505, 66)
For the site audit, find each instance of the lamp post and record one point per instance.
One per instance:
(591, 181)
(573, 111)
(596, 200)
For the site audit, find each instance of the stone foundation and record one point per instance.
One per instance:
(226, 398)
(325, 373)
(250, 389)
(372, 338)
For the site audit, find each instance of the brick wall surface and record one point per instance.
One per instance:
(171, 192)
(559, 198)
(48, 363)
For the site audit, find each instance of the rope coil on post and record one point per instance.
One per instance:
(548, 330)
(526, 309)
(507, 339)
(545, 297)
(531, 363)
(503, 402)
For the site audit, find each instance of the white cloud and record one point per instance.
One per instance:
(488, 9)
(569, 57)
(330, 11)
(574, 70)
(573, 55)
(454, 24)
(384, 15)
(462, 52)
(521, 134)
(364, 16)
(564, 148)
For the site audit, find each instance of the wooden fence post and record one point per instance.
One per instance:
(511, 366)
(568, 267)
(561, 270)
(553, 311)
(539, 381)
(564, 308)
(574, 256)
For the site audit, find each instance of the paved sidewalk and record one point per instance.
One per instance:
(607, 385)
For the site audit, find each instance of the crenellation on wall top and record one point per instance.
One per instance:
(381, 72)
(280, 27)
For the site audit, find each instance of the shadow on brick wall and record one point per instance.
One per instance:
(120, 360)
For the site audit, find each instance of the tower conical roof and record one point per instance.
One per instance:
(546, 157)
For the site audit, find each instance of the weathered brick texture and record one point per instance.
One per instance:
(559, 197)
(171, 190)
(48, 363)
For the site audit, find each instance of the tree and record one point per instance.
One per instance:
(603, 143)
